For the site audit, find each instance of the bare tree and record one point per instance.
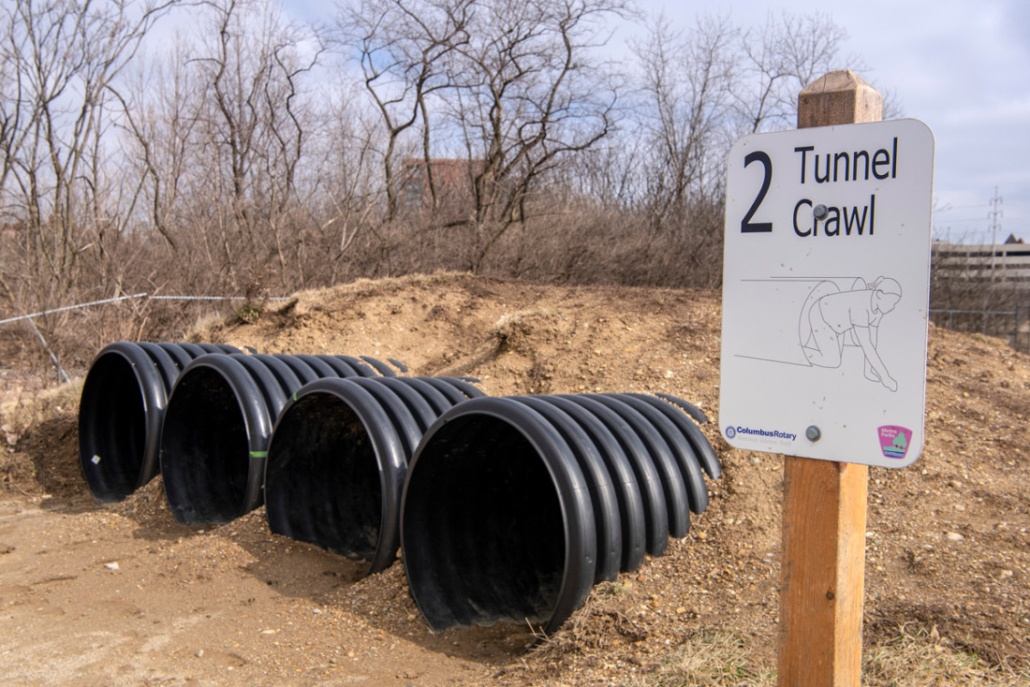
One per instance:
(219, 168)
(159, 114)
(781, 58)
(532, 92)
(247, 135)
(686, 82)
(59, 61)
(346, 189)
(402, 46)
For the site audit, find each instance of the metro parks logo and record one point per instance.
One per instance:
(894, 441)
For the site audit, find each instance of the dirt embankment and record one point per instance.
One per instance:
(121, 594)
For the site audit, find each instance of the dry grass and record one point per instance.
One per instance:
(915, 657)
(29, 416)
(23, 407)
(711, 658)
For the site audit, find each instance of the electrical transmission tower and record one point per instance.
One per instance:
(995, 216)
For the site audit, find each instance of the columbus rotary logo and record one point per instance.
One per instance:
(894, 441)
(752, 434)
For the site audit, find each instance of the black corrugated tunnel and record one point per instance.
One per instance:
(514, 507)
(497, 522)
(218, 424)
(121, 410)
(338, 457)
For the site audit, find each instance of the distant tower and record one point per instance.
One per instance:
(995, 216)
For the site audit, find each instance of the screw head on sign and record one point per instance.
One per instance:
(813, 433)
(820, 211)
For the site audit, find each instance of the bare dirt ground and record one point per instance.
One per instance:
(122, 595)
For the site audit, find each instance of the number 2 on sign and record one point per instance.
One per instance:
(746, 225)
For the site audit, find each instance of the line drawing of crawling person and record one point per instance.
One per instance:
(832, 319)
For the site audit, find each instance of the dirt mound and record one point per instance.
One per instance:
(42, 449)
(947, 539)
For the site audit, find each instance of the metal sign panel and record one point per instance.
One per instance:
(826, 284)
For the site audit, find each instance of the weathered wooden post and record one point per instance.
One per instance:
(824, 502)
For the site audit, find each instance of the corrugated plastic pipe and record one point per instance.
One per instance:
(121, 409)
(216, 430)
(338, 456)
(513, 508)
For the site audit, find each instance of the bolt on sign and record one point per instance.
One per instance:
(826, 284)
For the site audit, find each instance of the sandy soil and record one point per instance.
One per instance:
(122, 595)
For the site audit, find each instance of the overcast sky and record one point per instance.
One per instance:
(960, 66)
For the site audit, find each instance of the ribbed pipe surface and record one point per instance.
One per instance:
(338, 456)
(121, 410)
(513, 508)
(218, 424)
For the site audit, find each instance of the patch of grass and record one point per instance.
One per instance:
(915, 657)
(918, 657)
(206, 323)
(248, 313)
(711, 658)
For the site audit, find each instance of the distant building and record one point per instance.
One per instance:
(453, 179)
(1003, 263)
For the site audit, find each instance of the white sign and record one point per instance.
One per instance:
(826, 284)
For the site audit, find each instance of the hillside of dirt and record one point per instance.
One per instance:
(122, 595)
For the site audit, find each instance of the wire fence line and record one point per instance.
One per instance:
(61, 374)
(1013, 325)
(105, 301)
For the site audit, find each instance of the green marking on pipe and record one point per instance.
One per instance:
(259, 454)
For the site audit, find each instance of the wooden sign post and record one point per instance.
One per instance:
(827, 233)
(824, 502)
